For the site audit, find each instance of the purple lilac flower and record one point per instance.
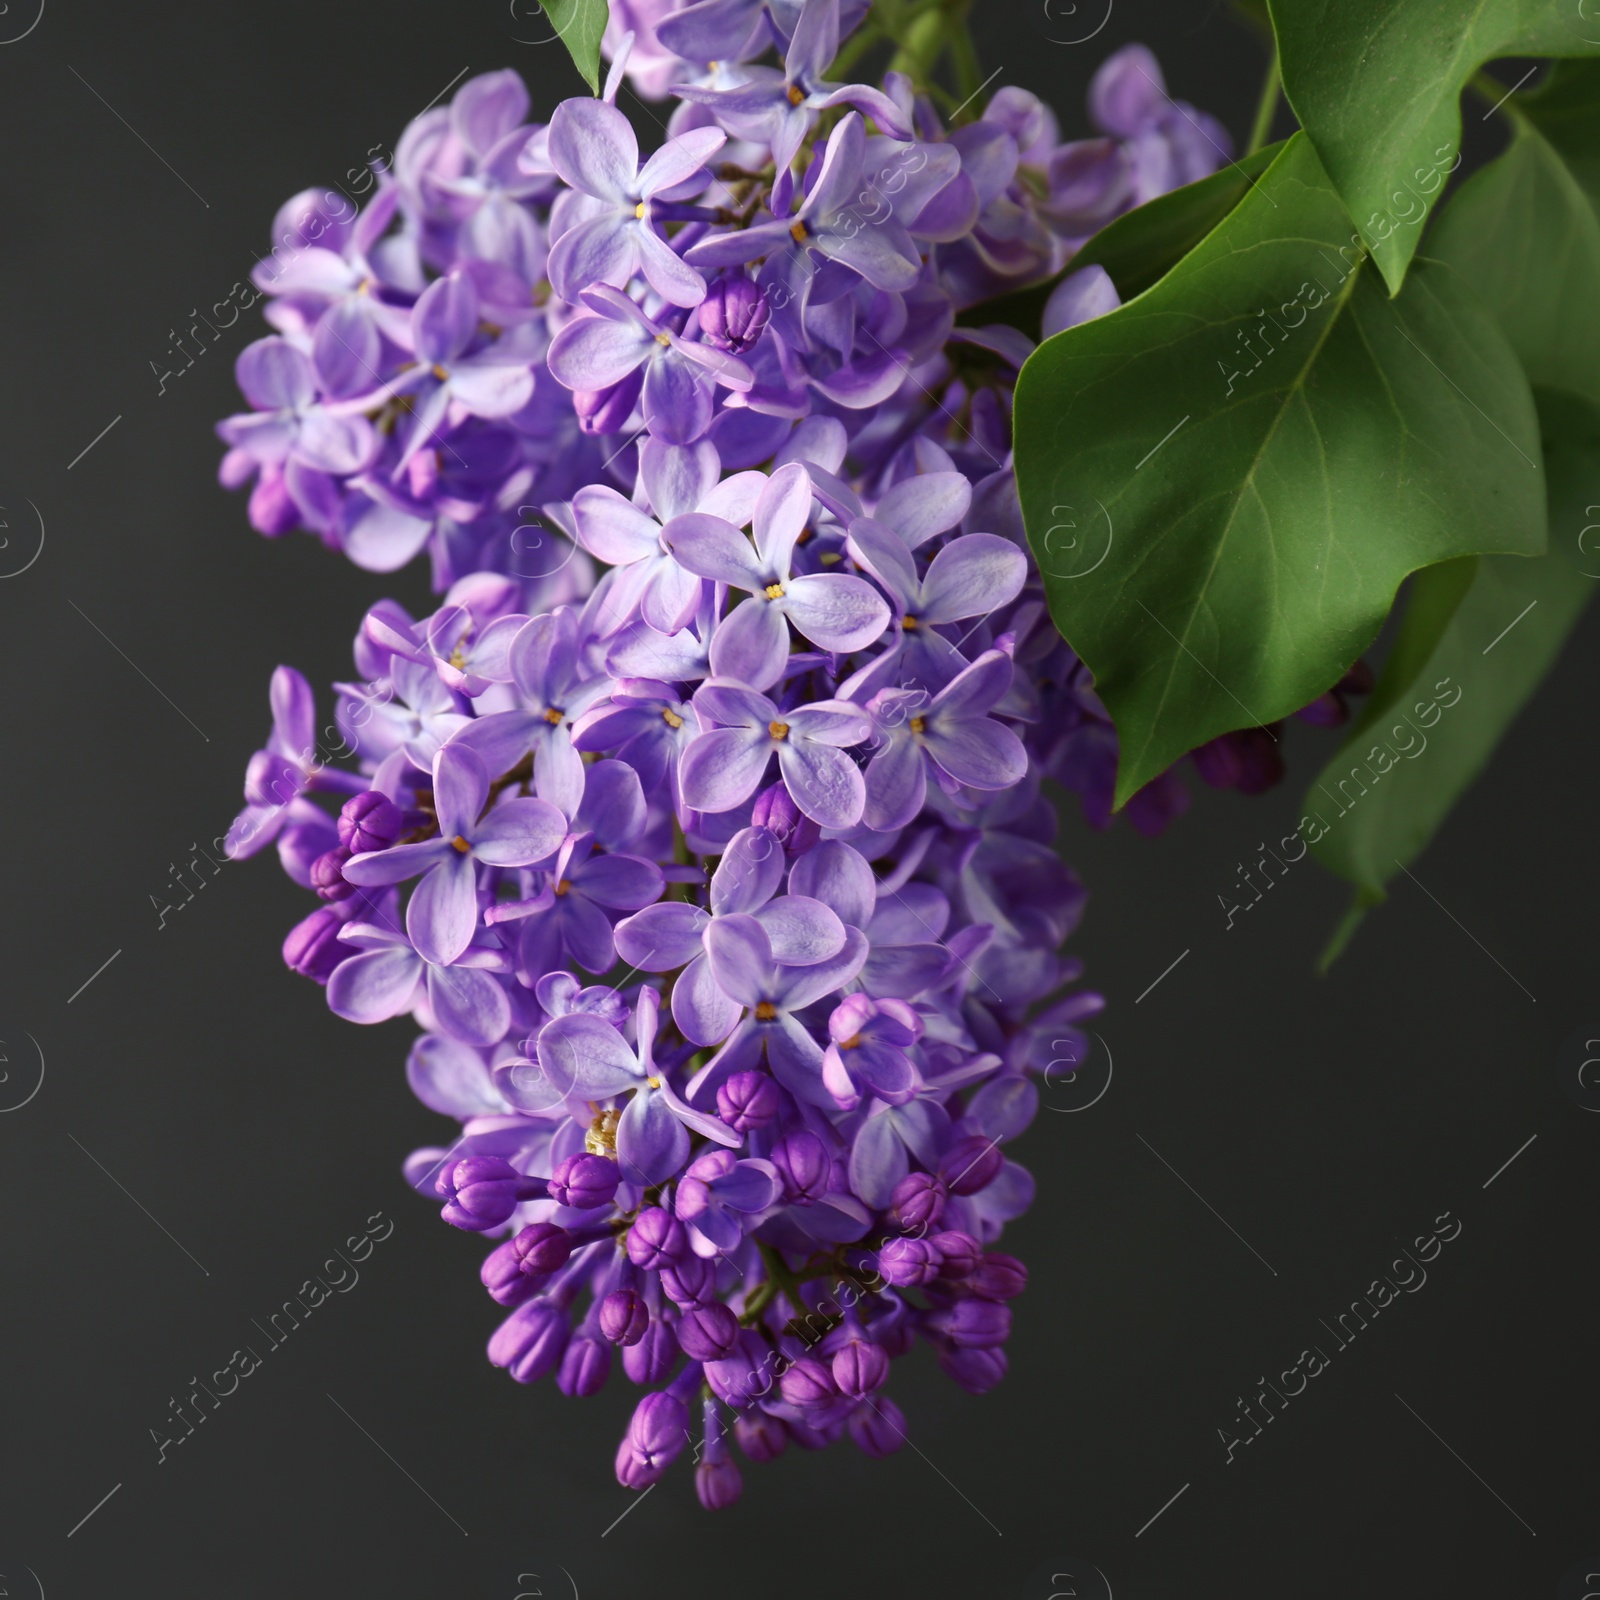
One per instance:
(699, 485)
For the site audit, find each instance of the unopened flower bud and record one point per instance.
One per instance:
(689, 1282)
(776, 811)
(859, 1368)
(530, 1341)
(998, 1277)
(748, 1100)
(369, 821)
(653, 1357)
(314, 948)
(808, 1383)
(734, 314)
(761, 1437)
(624, 1317)
(971, 1164)
(960, 1250)
(327, 875)
(656, 1239)
(878, 1429)
(481, 1192)
(585, 1181)
(708, 1332)
(802, 1162)
(585, 1367)
(908, 1263)
(917, 1202)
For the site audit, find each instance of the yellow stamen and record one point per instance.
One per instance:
(653, 1082)
(798, 232)
(778, 730)
(601, 1139)
(832, 558)
(919, 724)
(662, 339)
(563, 886)
(908, 623)
(851, 1043)
(461, 844)
(553, 715)
(639, 211)
(439, 372)
(796, 94)
(774, 591)
(765, 1011)
(671, 717)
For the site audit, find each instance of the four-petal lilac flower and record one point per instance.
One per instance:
(443, 911)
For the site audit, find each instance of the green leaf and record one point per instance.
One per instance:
(580, 25)
(1525, 236)
(1566, 110)
(1223, 506)
(1377, 85)
(1141, 246)
(1477, 639)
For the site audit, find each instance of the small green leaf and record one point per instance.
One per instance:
(1226, 480)
(1141, 246)
(1377, 85)
(1477, 640)
(580, 25)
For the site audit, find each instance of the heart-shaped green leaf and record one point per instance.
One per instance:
(1377, 85)
(581, 24)
(1226, 480)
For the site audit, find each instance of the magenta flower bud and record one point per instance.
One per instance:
(859, 1368)
(690, 1282)
(369, 821)
(530, 1341)
(971, 1164)
(909, 1263)
(972, 1324)
(917, 1203)
(762, 1438)
(733, 316)
(961, 1252)
(313, 947)
(808, 1383)
(624, 1317)
(748, 1100)
(775, 810)
(708, 1332)
(585, 1181)
(802, 1162)
(656, 1239)
(481, 1192)
(998, 1277)
(879, 1429)
(809, 1438)
(327, 875)
(514, 1271)
(585, 1367)
(658, 1432)
(977, 1371)
(608, 410)
(652, 1358)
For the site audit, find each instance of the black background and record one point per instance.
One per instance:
(1325, 1120)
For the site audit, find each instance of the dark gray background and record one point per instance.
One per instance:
(1324, 1120)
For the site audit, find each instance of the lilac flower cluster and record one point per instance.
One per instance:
(734, 918)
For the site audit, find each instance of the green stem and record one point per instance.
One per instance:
(1261, 129)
